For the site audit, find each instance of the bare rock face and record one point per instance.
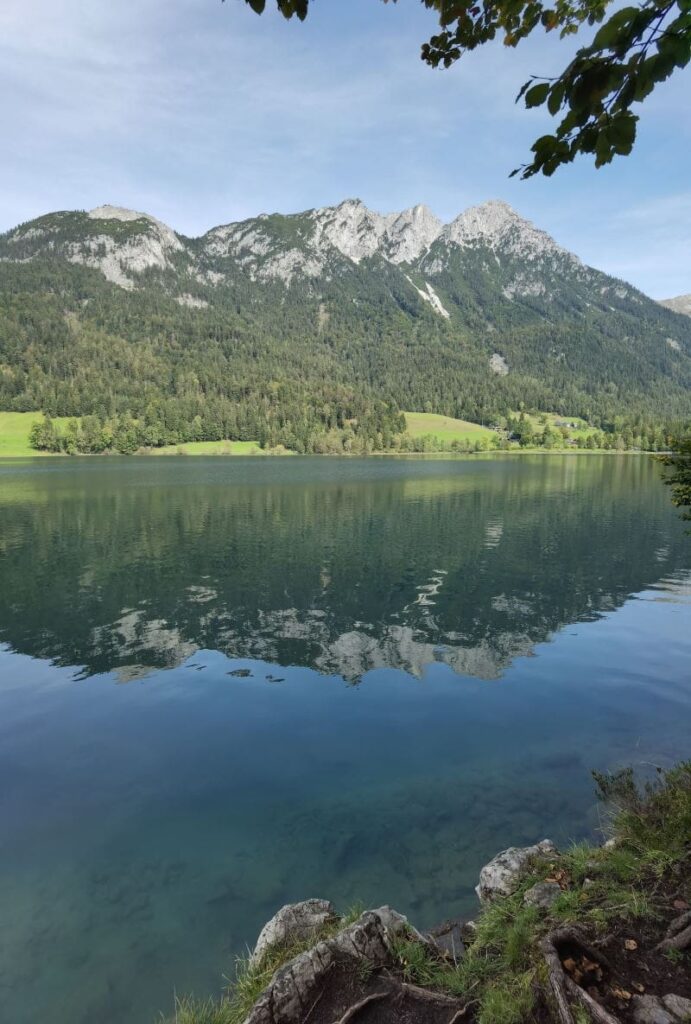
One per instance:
(295, 922)
(543, 895)
(502, 875)
(294, 987)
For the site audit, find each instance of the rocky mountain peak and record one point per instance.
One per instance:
(497, 225)
(680, 304)
(358, 232)
(167, 236)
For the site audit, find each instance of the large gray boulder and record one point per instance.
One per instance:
(649, 1010)
(678, 1006)
(502, 875)
(296, 922)
(296, 985)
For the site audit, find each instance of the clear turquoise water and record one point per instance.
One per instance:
(229, 684)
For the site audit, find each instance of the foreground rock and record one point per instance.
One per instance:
(296, 922)
(501, 877)
(295, 987)
(669, 1009)
(543, 895)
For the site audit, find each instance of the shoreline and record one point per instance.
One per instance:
(260, 454)
(595, 934)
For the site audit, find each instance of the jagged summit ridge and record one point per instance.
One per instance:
(358, 232)
(497, 225)
(355, 232)
(123, 242)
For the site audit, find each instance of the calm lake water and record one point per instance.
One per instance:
(228, 684)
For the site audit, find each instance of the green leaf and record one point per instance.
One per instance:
(622, 133)
(610, 33)
(537, 94)
(556, 98)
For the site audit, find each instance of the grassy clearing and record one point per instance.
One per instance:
(539, 420)
(14, 434)
(446, 428)
(15, 427)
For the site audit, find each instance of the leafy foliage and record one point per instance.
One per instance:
(680, 477)
(634, 50)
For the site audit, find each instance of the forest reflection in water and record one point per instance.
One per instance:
(380, 563)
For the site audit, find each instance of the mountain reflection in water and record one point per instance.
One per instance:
(338, 565)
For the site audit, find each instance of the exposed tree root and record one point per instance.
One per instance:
(459, 1015)
(563, 986)
(678, 934)
(427, 995)
(356, 1007)
(597, 1012)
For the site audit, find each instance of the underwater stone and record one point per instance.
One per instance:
(503, 873)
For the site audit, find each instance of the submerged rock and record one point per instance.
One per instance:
(502, 875)
(296, 922)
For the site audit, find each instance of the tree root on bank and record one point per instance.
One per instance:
(356, 1007)
(427, 995)
(678, 934)
(399, 989)
(563, 987)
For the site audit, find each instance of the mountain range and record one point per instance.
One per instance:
(281, 317)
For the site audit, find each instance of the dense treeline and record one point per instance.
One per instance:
(338, 424)
(333, 434)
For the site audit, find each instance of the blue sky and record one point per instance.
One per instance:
(202, 113)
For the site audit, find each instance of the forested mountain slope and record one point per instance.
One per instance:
(281, 326)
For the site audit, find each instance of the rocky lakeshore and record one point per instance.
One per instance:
(594, 933)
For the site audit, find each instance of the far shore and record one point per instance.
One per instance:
(181, 452)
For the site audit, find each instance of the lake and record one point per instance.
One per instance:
(229, 684)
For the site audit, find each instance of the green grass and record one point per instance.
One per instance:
(15, 427)
(536, 420)
(14, 434)
(446, 428)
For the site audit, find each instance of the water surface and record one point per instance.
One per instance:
(227, 684)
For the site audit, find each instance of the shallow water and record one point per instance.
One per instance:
(229, 684)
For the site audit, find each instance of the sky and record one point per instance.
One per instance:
(200, 113)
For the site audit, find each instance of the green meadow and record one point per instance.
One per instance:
(446, 428)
